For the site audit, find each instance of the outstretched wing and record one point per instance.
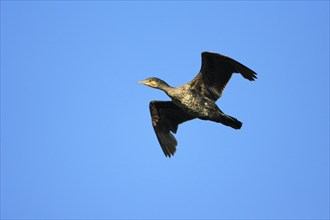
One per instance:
(166, 117)
(215, 73)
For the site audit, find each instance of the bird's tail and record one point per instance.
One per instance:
(230, 121)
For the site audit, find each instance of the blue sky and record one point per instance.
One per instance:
(76, 134)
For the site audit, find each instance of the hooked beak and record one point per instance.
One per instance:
(144, 82)
(141, 82)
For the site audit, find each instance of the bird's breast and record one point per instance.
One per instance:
(195, 104)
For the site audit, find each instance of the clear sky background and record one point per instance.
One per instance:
(76, 134)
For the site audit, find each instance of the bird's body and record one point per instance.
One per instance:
(192, 102)
(195, 99)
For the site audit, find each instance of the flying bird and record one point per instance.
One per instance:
(196, 99)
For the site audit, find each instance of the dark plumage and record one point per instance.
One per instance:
(195, 99)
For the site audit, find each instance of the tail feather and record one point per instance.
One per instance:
(230, 121)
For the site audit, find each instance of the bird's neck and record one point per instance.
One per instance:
(165, 87)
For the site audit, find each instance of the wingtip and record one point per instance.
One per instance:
(169, 151)
(248, 73)
(254, 76)
(169, 155)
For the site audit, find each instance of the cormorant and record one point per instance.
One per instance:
(195, 99)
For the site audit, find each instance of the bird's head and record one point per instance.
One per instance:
(153, 82)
